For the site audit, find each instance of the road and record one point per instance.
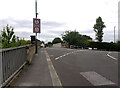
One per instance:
(75, 67)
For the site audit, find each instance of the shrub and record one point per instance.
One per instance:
(105, 46)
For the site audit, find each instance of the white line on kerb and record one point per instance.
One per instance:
(111, 56)
(55, 79)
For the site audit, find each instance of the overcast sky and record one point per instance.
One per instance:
(57, 16)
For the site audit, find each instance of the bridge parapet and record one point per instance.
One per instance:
(12, 60)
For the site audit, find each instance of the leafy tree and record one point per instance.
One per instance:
(22, 42)
(10, 40)
(49, 44)
(57, 40)
(8, 37)
(71, 37)
(98, 28)
(74, 38)
(87, 37)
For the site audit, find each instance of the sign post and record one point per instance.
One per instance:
(36, 25)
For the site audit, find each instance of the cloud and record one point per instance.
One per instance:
(78, 14)
(28, 23)
(16, 23)
(50, 35)
(51, 24)
(57, 32)
(21, 26)
(86, 31)
(25, 35)
(46, 37)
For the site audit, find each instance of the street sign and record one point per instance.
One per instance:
(37, 29)
(36, 25)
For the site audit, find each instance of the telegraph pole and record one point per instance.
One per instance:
(36, 33)
(114, 34)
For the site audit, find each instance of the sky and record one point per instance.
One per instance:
(58, 16)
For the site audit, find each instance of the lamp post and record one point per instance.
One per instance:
(36, 33)
(114, 34)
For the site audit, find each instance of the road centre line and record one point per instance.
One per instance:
(68, 54)
(111, 56)
(55, 78)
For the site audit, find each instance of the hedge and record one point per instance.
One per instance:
(105, 46)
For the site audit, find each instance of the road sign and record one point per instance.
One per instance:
(36, 25)
(37, 21)
(37, 29)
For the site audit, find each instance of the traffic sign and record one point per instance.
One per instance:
(37, 29)
(37, 21)
(36, 25)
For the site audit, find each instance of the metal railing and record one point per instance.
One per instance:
(11, 60)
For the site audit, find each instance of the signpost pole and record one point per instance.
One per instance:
(36, 44)
(36, 33)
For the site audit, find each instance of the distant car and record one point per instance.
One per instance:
(95, 48)
(90, 48)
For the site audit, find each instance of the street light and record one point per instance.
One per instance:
(114, 34)
(36, 33)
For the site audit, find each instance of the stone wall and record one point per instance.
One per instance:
(30, 52)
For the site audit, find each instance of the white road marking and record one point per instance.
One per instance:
(111, 56)
(55, 79)
(96, 79)
(57, 58)
(28, 84)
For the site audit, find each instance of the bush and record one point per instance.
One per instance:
(105, 46)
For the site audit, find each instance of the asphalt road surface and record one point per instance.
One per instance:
(75, 67)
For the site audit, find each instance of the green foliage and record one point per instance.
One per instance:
(74, 38)
(118, 46)
(105, 46)
(49, 44)
(56, 40)
(98, 28)
(9, 39)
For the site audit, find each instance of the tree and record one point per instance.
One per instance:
(74, 38)
(10, 40)
(98, 28)
(57, 40)
(49, 44)
(71, 37)
(8, 37)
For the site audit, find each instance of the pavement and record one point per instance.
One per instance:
(36, 74)
(70, 67)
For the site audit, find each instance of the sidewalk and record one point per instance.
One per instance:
(36, 74)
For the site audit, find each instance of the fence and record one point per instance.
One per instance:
(11, 60)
